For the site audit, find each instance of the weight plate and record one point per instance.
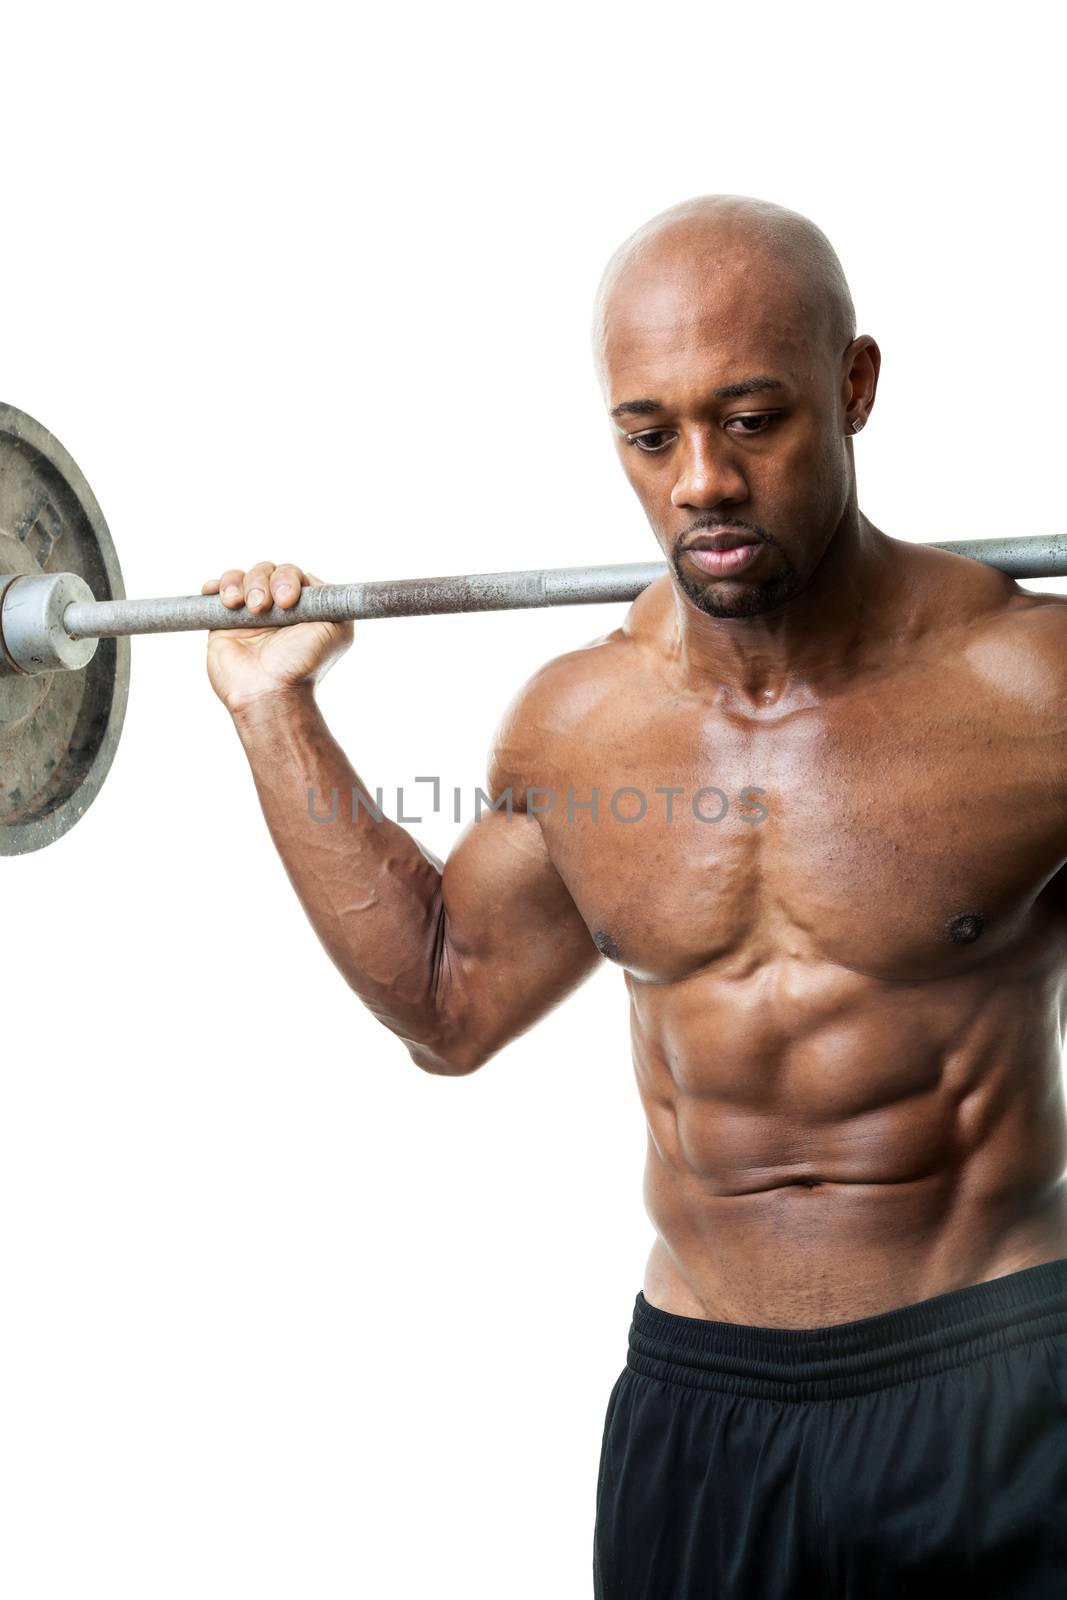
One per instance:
(59, 730)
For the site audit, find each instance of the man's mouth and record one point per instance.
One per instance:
(723, 554)
(720, 541)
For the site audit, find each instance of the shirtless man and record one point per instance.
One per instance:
(847, 1367)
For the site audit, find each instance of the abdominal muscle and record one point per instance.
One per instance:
(894, 1147)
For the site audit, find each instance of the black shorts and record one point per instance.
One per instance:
(884, 1457)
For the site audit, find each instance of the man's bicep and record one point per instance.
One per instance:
(512, 943)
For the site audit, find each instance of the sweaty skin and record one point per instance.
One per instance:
(838, 902)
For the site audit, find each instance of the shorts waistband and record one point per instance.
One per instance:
(858, 1357)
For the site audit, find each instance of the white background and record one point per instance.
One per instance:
(283, 1316)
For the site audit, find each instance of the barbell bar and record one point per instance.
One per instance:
(65, 622)
(42, 617)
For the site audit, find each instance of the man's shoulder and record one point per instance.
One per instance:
(568, 689)
(573, 698)
(1031, 634)
(1014, 640)
(976, 609)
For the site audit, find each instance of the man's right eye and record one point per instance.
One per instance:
(650, 443)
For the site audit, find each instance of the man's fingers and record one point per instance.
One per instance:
(257, 586)
(285, 582)
(261, 587)
(231, 587)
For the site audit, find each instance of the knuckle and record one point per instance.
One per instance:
(285, 583)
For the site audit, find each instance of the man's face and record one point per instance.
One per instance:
(766, 463)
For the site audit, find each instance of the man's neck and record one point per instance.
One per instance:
(799, 652)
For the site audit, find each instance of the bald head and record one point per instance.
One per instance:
(705, 260)
(725, 342)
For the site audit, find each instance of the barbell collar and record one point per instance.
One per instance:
(33, 635)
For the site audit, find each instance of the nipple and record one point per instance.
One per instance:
(967, 928)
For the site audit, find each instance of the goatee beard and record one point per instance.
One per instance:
(751, 600)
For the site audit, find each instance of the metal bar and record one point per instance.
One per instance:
(1043, 556)
(347, 602)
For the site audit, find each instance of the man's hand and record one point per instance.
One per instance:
(245, 664)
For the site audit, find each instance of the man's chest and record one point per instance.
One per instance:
(898, 834)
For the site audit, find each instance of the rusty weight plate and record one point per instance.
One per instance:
(59, 730)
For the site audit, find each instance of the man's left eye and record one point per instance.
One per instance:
(763, 416)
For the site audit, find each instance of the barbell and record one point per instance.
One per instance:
(65, 623)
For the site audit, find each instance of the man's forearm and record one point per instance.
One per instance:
(370, 893)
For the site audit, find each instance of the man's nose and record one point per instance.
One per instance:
(707, 475)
